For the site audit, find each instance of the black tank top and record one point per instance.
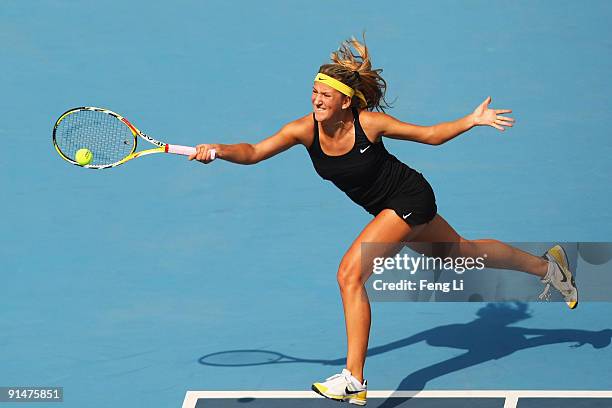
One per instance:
(368, 173)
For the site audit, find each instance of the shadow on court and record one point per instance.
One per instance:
(488, 337)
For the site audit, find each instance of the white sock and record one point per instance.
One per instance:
(354, 380)
(552, 266)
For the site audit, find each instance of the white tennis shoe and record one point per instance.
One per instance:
(559, 276)
(343, 387)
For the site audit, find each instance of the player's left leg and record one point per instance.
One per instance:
(499, 255)
(552, 269)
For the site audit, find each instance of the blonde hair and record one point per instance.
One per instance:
(355, 70)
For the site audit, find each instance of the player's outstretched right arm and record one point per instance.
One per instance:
(293, 133)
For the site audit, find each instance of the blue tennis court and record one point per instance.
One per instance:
(117, 284)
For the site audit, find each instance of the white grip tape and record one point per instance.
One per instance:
(188, 151)
(184, 150)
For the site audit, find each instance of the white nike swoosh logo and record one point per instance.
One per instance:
(407, 215)
(363, 150)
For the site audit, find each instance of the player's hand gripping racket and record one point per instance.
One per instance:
(111, 138)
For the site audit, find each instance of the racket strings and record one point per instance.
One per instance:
(108, 138)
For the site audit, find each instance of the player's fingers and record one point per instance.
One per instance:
(202, 150)
(204, 153)
(504, 123)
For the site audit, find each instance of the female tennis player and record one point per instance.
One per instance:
(344, 138)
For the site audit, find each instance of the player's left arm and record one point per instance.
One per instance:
(381, 124)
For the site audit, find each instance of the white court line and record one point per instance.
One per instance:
(511, 402)
(511, 396)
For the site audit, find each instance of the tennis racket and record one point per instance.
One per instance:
(110, 137)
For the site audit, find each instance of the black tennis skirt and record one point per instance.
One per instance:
(413, 200)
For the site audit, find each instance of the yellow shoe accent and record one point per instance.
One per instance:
(558, 253)
(322, 390)
(320, 387)
(358, 399)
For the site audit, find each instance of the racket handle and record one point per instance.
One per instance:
(182, 150)
(187, 150)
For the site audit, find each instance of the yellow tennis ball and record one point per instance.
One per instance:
(84, 156)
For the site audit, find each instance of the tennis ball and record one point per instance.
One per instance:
(84, 156)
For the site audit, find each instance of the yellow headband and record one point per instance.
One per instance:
(340, 87)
